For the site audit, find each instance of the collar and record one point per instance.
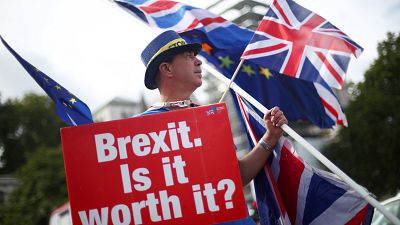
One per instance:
(176, 104)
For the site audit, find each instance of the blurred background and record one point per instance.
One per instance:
(93, 49)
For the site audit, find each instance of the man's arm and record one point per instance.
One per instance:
(254, 161)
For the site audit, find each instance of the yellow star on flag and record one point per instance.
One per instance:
(225, 61)
(247, 69)
(72, 100)
(206, 48)
(265, 72)
(57, 87)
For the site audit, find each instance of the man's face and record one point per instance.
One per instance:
(186, 70)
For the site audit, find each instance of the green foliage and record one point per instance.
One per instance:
(30, 141)
(25, 125)
(368, 150)
(42, 188)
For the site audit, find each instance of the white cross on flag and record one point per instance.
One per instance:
(296, 42)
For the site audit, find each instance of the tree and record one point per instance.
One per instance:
(25, 125)
(42, 188)
(368, 150)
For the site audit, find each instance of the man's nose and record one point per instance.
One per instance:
(198, 62)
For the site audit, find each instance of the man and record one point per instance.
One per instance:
(173, 68)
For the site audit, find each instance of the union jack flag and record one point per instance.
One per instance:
(296, 42)
(173, 15)
(289, 191)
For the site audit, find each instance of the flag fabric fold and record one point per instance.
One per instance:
(292, 192)
(68, 107)
(223, 43)
(294, 41)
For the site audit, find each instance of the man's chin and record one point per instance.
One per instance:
(199, 83)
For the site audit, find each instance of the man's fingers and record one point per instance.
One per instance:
(267, 115)
(276, 117)
(274, 110)
(270, 113)
(281, 121)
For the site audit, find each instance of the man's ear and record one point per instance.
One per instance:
(165, 68)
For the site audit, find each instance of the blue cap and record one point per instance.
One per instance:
(162, 48)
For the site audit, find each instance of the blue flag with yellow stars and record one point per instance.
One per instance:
(69, 108)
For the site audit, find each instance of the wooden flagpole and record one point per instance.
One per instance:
(231, 81)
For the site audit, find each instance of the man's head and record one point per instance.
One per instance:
(162, 50)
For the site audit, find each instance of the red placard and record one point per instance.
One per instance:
(177, 167)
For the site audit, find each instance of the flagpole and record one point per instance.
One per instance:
(230, 82)
(313, 151)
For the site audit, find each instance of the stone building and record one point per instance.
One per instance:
(7, 184)
(119, 108)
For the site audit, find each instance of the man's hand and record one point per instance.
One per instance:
(273, 120)
(255, 160)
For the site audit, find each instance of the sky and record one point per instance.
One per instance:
(92, 47)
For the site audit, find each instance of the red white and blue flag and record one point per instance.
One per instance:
(173, 15)
(289, 191)
(223, 44)
(295, 41)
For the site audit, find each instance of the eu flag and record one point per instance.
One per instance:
(69, 108)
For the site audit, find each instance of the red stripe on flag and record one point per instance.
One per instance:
(280, 10)
(335, 31)
(291, 169)
(158, 6)
(208, 21)
(193, 24)
(335, 74)
(246, 116)
(278, 197)
(329, 108)
(263, 50)
(275, 29)
(359, 218)
(333, 111)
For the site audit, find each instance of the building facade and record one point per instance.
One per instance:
(119, 108)
(7, 184)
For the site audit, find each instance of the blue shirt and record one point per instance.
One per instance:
(248, 220)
